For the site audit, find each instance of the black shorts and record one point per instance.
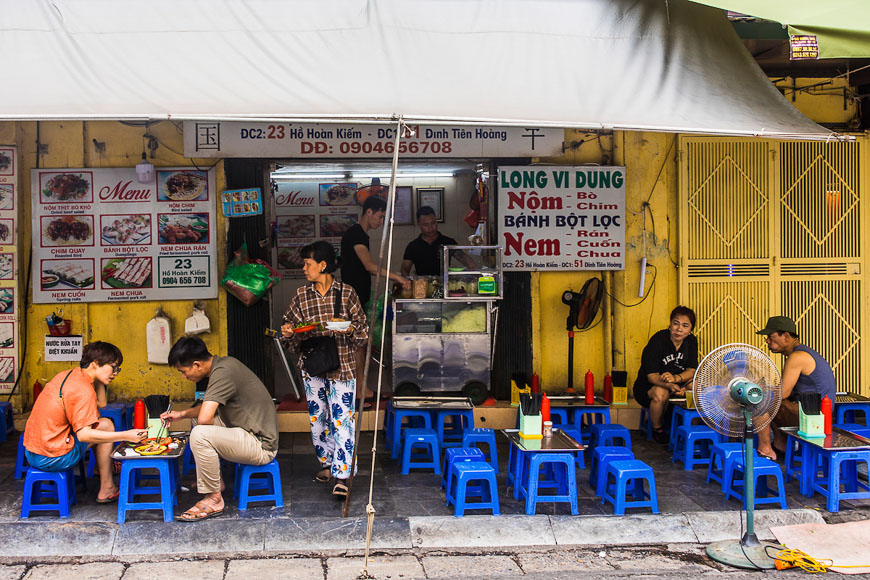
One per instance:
(641, 394)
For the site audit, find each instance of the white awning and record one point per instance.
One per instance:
(594, 64)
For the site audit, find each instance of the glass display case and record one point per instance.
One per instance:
(472, 272)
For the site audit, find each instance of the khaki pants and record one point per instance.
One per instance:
(210, 443)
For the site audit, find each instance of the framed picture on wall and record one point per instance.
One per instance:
(403, 215)
(434, 198)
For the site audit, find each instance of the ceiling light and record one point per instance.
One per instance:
(144, 171)
(280, 176)
(402, 175)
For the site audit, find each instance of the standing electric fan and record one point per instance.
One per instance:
(582, 308)
(737, 390)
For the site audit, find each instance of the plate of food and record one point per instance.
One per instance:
(182, 228)
(334, 226)
(127, 272)
(73, 273)
(5, 232)
(50, 280)
(337, 194)
(338, 324)
(5, 161)
(151, 449)
(305, 327)
(5, 266)
(296, 226)
(67, 230)
(7, 300)
(124, 230)
(290, 258)
(65, 187)
(7, 196)
(182, 185)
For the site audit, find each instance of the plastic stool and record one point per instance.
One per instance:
(416, 417)
(577, 436)
(721, 456)
(60, 487)
(464, 472)
(681, 416)
(472, 437)
(625, 472)
(247, 480)
(7, 420)
(565, 475)
(428, 459)
(839, 468)
(117, 412)
(585, 417)
(794, 452)
(455, 454)
(166, 487)
(451, 436)
(559, 416)
(606, 435)
(762, 467)
(601, 458)
(687, 443)
(847, 412)
(646, 423)
(21, 465)
(187, 463)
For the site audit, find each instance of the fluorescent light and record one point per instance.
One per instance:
(280, 176)
(401, 175)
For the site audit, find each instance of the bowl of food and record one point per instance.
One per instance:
(338, 324)
(50, 280)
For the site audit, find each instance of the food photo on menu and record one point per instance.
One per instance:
(182, 185)
(334, 226)
(7, 300)
(337, 194)
(290, 258)
(7, 196)
(125, 230)
(66, 274)
(6, 266)
(296, 226)
(59, 187)
(6, 230)
(127, 273)
(7, 368)
(187, 228)
(5, 161)
(67, 230)
(6, 335)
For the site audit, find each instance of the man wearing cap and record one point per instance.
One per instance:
(805, 371)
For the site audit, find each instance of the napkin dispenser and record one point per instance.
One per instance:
(811, 421)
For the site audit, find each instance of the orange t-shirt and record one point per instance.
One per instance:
(52, 422)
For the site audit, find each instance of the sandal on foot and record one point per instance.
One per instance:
(324, 475)
(111, 498)
(339, 489)
(199, 511)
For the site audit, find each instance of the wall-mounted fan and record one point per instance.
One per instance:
(375, 188)
(582, 308)
(737, 391)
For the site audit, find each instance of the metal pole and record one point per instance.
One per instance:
(750, 539)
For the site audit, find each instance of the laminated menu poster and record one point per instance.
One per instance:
(309, 211)
(8, 268)
(101, 236)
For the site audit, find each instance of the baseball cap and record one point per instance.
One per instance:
(779, 324)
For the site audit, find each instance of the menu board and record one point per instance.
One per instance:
(309, 211)
(9, 307)
(101, 236)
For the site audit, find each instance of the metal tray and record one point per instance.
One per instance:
(118, 453)
(846, 397)
(838, 440)
(463, 403)
(575, 401)
(560, 442)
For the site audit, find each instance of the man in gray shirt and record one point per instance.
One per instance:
(237, 420)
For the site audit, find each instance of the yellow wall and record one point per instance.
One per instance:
(71, 144)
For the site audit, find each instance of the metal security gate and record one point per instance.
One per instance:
(772, 227)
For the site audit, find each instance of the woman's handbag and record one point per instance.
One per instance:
(319, 354)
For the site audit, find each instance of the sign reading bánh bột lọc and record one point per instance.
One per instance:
(100, 236)
(562, 218)
(9, 308)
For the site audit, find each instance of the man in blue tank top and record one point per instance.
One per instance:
(805, 371)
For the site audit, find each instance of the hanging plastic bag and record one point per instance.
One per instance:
(248, 280)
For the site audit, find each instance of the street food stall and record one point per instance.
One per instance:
(443, 335)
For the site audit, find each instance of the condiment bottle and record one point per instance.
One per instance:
(590, 387)
(536, 386)
(608, 388)
(545, 408)
(37, 389)
(828, 411)
(139, 420)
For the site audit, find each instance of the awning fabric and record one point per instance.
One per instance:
(612, 64)
(842, 27)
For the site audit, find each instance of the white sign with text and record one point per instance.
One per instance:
(63, 348)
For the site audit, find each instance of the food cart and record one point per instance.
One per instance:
(443, 342)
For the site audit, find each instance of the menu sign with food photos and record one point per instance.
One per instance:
(309, 211)
(103, 237)
(8, 268)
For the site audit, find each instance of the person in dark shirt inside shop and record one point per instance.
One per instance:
(667, 367)
(424, 251)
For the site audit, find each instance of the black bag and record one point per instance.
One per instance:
(319, 354)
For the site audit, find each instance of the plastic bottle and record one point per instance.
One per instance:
(545, 408)
(37, 389)
(536, 386)
(590, 387)
(139, 419)
(608, 388)
(828, 411)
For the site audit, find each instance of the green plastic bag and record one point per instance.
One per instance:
(248, 280)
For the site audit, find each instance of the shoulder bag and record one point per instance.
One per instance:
(319, 354)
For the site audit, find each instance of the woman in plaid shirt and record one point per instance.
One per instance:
(331, 397)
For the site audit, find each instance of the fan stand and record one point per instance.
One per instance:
(749, 552)
(570, 390)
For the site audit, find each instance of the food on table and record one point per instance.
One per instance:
(71, 273)
(157, 441)
(50, 280)
(66, 186)
(296, 226)
(128, 271)
(184, 185)
(5, 161)
(68, 230)
(466, 320)
(5, 266)
(6, 196)
(6, 299)
(151, 449)
(5, 335)
(130, 229)
(290, 258)
(334, 226)
(182, 228)
(340, 194)
(7, 365)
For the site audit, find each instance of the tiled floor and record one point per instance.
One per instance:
(419, 493)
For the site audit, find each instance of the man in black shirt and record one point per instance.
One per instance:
(424, 252)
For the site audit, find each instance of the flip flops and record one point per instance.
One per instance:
(111, 499)
(339, 490)
(198, 512)
(324, 475)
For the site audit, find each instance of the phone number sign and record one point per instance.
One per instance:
(185, 272)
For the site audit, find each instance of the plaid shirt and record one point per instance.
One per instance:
(309, 306)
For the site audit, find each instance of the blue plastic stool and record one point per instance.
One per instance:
(577, 436)
(166, 487)
(389, 415)
(187, 463)
(417, 418)
(762, 468)
(428, 459)
(59, 486)
(21, 465)
(681, 416)
(460, 420)
(646, 423)
(847, 412)
(601, 458)
(839, 469)
(464, 472)
(856, 428)
(265, 478)
(585, 417)
(472, 437)
(559, 416)
(721, 456)
(117, 412)
(606, 435)
(565, 475)
(626, 472)
(7, 421)
(455, 454)
(794, 453)
(693, 445)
